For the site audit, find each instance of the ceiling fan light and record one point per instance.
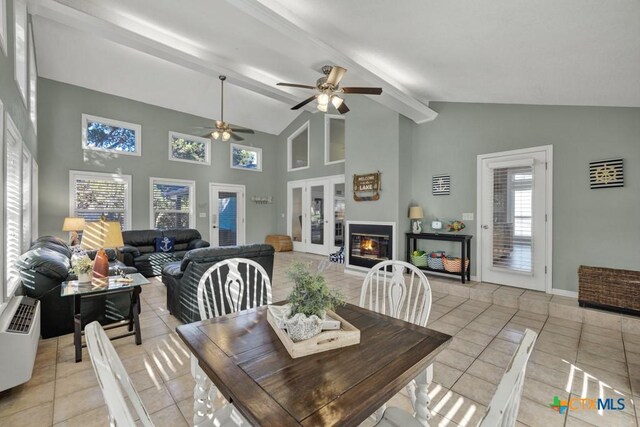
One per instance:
(215, 135)
(336, 101)
(226, 135)
(323, 99)
(322, 107)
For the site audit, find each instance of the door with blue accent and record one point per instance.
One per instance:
(227, 214)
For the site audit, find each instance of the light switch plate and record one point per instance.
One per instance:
(467, 216)
(202, 214)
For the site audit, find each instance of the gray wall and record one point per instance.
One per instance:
(590, 227)
(60, 109)
(316, 169)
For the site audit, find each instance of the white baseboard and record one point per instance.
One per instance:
(563, 293)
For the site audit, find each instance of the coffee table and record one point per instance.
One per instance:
(105, 286)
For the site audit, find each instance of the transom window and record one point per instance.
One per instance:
(111, 135)
(334, 139)
(172, 203)
(248, 158)
(298, 149)
(95, 195)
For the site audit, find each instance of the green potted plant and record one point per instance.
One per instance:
(82, 268)
(308, 302)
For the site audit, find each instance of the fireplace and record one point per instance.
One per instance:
(369, 243)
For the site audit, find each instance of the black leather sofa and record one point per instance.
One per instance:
(139, 248)
(44, 267)
(182, 278)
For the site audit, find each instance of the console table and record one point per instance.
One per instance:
(465, 250)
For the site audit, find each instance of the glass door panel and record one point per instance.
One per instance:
(338, 215)
(317, 223)
(296, 214)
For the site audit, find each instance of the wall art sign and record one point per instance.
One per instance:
(606, 173)
(441, 185)
(366, 187)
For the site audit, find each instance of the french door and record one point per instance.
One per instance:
(315, 219)
(514, 218)
(226, 214)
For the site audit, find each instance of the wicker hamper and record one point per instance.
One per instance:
(609, 288)
(280, 243)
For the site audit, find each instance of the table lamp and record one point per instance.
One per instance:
(99, 235)
(73, 225)
(416, 214)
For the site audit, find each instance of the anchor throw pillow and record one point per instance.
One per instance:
(165, 244)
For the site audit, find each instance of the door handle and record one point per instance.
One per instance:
(486, 227)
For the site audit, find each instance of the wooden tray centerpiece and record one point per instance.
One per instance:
(326, 340)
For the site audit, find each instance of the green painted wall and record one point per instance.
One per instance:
(591, 227)
(316, 169)
(60, 109)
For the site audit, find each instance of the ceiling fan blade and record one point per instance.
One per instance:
(305, 102)
(236, 137)
(203, 127)
(336, 75)
(206, 135)
(343, 109)
(296, 85)
(363, 90)
(242, 130)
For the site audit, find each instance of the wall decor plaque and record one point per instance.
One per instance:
(441, 185)
(606, 173)
(366, 187)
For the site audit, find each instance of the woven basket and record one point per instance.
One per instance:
(454, 264)
(281, 243)
(434, 261)
(419, 261)
(609, 287)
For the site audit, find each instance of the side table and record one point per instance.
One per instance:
(105, 286)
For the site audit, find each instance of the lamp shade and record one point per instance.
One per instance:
(102, 234)
(73, 224)
(415, 212)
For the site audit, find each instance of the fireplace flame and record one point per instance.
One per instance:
(367, 245)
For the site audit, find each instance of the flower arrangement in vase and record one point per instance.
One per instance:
(308, 302)
(82, 268)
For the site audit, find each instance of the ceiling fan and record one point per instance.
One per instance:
(224, 130)
(329, 90)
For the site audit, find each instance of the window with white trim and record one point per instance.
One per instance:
(172, 203)
(94, 195)
(111, 135)
(13, 207)
(298, 149)
(245, 157)
(3, 26)
(20, 46)
(334, 137)
(33, 83)
(26, 198)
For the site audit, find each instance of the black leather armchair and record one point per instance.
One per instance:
(44, 267)
(139, 248)
(182, 277)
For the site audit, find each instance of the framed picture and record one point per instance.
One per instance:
(606, 173)
(247, 158)
(189, 148)
(109, 135)
(441, 185)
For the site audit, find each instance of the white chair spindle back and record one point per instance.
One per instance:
(234, 288)
(396, 295)
(113, 379)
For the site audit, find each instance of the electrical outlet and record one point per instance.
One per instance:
(202, 214)
(467, 216)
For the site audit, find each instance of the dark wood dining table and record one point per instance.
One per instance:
(246, 360)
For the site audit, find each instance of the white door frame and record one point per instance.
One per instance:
(242, 211)
(330, 180)
(548, 149)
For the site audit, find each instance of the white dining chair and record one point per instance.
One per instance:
(503, 408)
(114, 381)
(387, 290)
(226, 287)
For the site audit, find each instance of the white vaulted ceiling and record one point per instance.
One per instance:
(169, 53)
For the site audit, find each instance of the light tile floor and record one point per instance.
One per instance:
(570, 359)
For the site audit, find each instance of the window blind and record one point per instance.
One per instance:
(512, 218)
(172, 205)
(228, 218)
(26, 198)
(95, 197)
(13, 206)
